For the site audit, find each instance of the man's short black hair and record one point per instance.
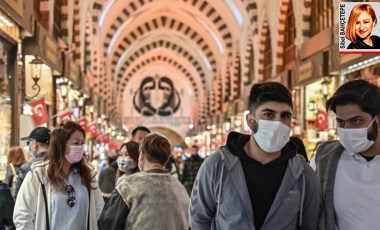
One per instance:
(268, 91)
(357, 92)
(141, 128)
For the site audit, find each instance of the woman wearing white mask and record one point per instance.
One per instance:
(258, 181)
(60, 192)
(349, 168)
(127, 161)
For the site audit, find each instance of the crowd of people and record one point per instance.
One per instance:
(255, 181)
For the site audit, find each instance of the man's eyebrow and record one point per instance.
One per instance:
(286, 113)
(269, 110)
(274, 111)
(351, 118)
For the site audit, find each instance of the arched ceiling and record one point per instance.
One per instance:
(195, 39)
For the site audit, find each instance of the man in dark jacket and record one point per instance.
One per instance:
(258, 181)
(38, 142)
(190, 169)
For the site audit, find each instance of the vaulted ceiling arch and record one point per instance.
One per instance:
(170, 26)
(174, 44)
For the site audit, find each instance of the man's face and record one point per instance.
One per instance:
(140, 134)
(194, 151)
(272, 111)
(352, 117)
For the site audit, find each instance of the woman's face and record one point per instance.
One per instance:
(76, 139)
(364, 25)
(124, 152)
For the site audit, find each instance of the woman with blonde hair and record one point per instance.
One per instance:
(15, 158)
(61, 192)
(360, 24)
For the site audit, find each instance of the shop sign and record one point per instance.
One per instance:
(338, 61)
(310, 69)
(85, 85)
(344, 58)
(9, 27)
(74, 73)
(305, 71)
(17, 6)
(48, 48)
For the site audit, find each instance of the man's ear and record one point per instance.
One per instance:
(249, 119)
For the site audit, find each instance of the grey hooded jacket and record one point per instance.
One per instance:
(220, 198)
(327, 159)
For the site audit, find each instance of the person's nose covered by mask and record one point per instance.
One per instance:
(357, 140)
(271, 136)
(124, 163)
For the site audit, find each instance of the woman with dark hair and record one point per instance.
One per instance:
(127, 161)
(15, 158)
(60, 192)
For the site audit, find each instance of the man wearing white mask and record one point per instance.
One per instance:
(258, 181)
(349, 169)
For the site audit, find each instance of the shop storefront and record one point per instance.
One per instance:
(312, 85)
(42, 63)
(9, 36)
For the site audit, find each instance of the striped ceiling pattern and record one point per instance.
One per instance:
(201, 39)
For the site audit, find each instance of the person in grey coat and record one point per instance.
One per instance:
(258, 181)
(349, 168)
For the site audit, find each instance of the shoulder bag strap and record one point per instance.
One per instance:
(46, 203)
(46, 206)
(13, 171)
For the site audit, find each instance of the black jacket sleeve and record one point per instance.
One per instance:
(23, 170)
(6, 207)
(9, 176)
(114, 214)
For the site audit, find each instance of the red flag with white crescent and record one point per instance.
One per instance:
(64, 116)
(39, 111)
(93, 129)
(83, 122)
(322, 119)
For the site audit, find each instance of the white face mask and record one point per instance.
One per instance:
(271, 136)
(355, 140)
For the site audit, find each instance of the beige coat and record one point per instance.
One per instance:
(29, 211)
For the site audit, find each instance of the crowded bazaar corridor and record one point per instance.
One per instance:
(93, 91)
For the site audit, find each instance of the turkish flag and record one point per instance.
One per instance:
(93, 129)
(322, 119)
(39, 110)
(83, 122)
(65, 116)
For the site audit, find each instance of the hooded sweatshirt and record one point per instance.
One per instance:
(230, 188)
(264, 186)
